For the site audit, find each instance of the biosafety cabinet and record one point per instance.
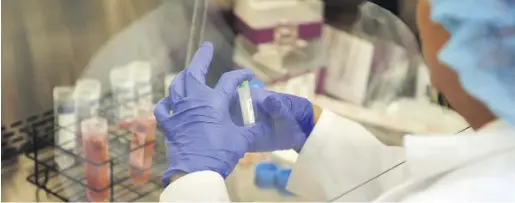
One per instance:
(80, 80)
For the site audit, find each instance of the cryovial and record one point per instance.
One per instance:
(142, 74)
(96, 153)
(65, 115)
(86, 96)
(122, 88)
(247, 113)
(142, 147)
(247, 110)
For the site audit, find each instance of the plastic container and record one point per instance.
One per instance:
(86, 97)
(65, 115)
(122, 86)
(247, 109)
(142, 74)
(142, 148)
(96, 152)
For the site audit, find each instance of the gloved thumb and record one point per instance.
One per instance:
(291, 107)
(284, 105)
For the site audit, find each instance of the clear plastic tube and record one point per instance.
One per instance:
(142, 74)
(87, 102)
(122, 86)
(96, 151)
(247, 113)
(247, 109)
(142, 148)
(65, 115)
(87, 97)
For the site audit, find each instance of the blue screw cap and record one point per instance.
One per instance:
(257, 84)
(264, 176)
(281, 181)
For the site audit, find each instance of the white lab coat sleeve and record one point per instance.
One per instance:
(200, 186)
(343, 161)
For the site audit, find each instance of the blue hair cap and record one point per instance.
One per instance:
(481, 49)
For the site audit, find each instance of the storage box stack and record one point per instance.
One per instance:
(281, 42)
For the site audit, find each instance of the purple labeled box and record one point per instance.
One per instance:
(267, 21)
(278, 39)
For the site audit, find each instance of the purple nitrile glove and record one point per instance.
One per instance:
(200, 134)
(286, 120)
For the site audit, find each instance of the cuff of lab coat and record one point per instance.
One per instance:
(339, 156)
(196, 187)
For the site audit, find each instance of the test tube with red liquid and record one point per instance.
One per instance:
(96, 151)
(142, 148)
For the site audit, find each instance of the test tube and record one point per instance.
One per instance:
(65, 115)
(96, 152)
(142, 74)
(247, 109)
(122, 86)
(142, 148)
(86, 98)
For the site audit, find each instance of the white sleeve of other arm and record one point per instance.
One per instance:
(202, 186)
(343, 161)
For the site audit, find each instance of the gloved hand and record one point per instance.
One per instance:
(200, 135)
(286, 120)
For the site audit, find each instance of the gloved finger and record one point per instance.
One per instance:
(162, 110)
(176, 90)
(199, 65)
(228, 83)
(256, 132)
(278, 105)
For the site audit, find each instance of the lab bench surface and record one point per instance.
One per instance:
(16, 188)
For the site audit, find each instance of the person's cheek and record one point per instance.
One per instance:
(433, 37)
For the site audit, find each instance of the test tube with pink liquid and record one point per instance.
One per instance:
(96, 151)
(142, 148)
